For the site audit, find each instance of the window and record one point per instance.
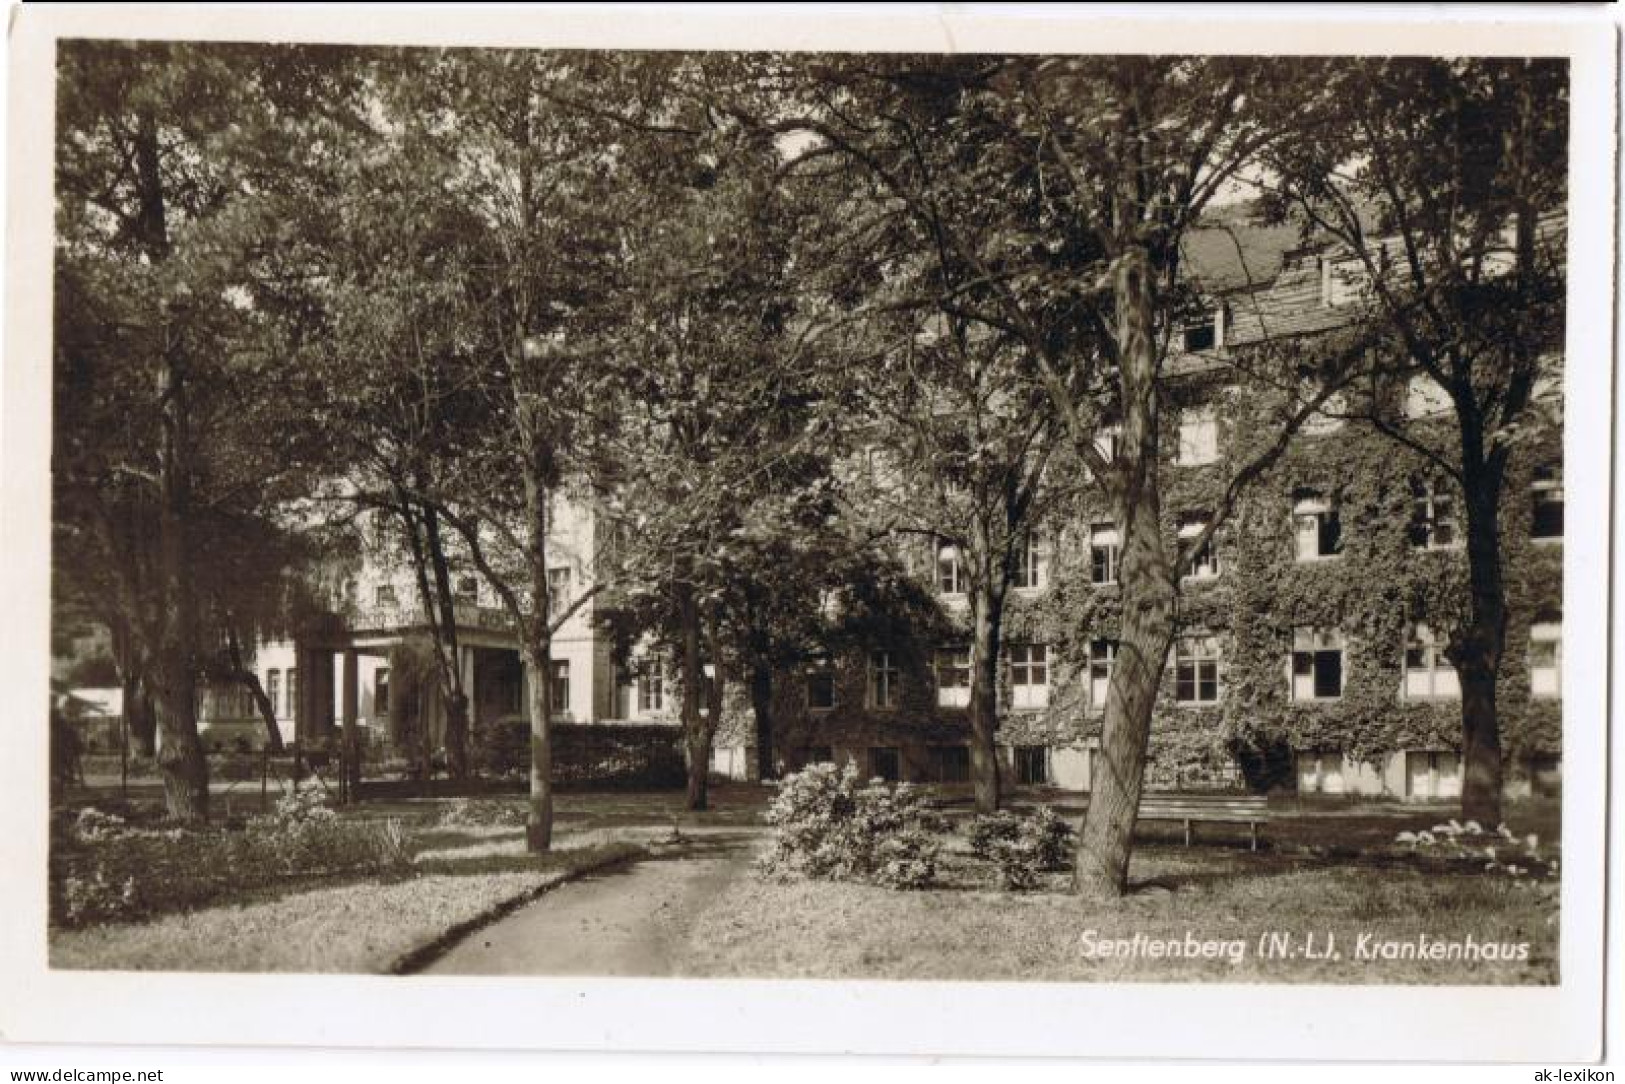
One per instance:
(951, 763)
(953, 677)
(1428, 674)
(708, 687)
(1341, 281)
(1101, 655)
(383, 595)
(883, 469)
(558, 590)
(821, 689)
(1546, 659)
(1317, 664)
(293, 692)
(1201, 333)
(652, 690)
(883, 680)
(351, 591)
(1433, 515)
(1105, 547)
(1108, 441)
(1196, 670)
(380, 691)
(468, 589)
(1317, 528)
(1546, 498)
(561, 687)
(1198, 437)
(1432, 774)
(1032, 566)
(1029, 676)
(884, 763)
(273, 690)
(1204, 563)
(950, 572)
(1032, 764)
(820, 754)
(1329, 418)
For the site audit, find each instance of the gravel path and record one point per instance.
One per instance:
(623, 921)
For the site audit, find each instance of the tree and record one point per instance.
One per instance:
(1437, 182)
(491, 132)
(165, 155)
(1120, 157)
(395, 361)
(925, 208)
(722, 494)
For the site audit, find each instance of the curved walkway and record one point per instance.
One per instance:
(624, 921)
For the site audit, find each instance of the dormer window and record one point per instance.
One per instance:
(1202, 333)
(1343, 281)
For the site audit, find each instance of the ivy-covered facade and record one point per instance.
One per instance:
(1309, 657)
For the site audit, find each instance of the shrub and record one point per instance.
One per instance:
(501, 748)
(1022, 848)
(908, 859)
(988, 830)
(305, 836)
(464, 812)
(830, 825)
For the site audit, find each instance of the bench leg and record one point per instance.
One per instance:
(1187, 833)
(1254, 826)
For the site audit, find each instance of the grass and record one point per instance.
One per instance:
(968, 931)
(366, 927)
(1325, 871)
(1328, 871)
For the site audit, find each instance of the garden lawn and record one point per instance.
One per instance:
(969, 931)
(369, 927)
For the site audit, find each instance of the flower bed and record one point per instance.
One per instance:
(106, 868)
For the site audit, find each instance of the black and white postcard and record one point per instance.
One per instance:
(769, 534)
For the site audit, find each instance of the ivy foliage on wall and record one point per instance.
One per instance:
(1369, 593)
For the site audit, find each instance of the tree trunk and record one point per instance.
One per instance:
(1477, 656)
(987, 612)
(251, 681)
(140, 722)
(451, 672)
(140, 719)
(538, 702)
(1142, 652)
(181, 763)
(1148, 583)
(761, 706)
(180, 756)
(262, 704)
(697, 729)
(538, 655)
(440, 613)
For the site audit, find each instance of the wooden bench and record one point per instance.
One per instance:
(1249, 809)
